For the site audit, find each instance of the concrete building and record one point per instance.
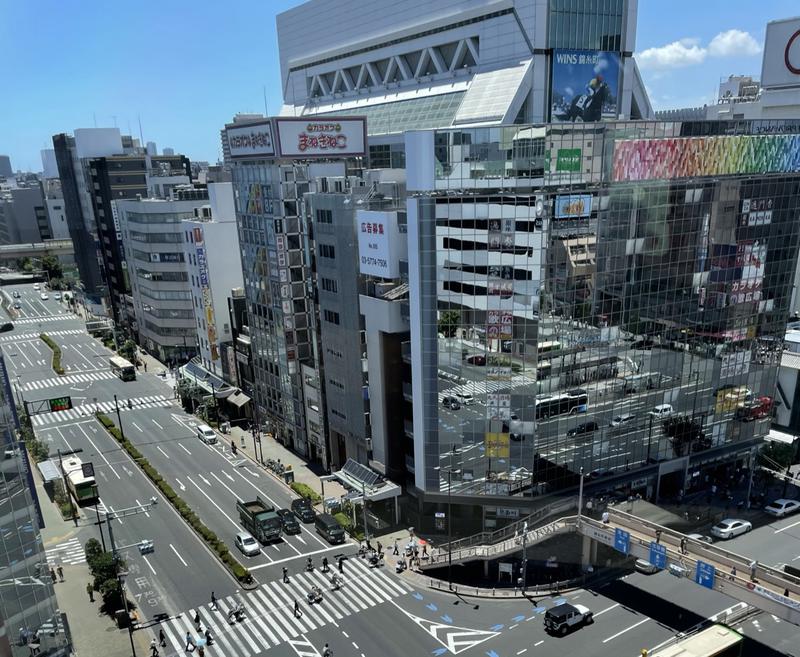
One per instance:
(56, 215)
(241, 118)
(153, 235)
(23, 214)
(211, 240)
(5, 167)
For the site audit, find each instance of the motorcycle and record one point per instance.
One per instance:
(309, 565)
(336, 583)
(375, 561)
(314, 595)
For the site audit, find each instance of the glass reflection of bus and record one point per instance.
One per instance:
(83, 489)
(122, 368)
(565, 403)
(544, 348)
(715, 641)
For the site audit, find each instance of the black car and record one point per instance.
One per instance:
(302, 508)
(289, 522)
(584, 427)
(7, 326)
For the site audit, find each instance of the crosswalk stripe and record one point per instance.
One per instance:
(308, 619)
(236, 630)
(279, 624)
(369, 587)
(220, 633)
(288, 607)
(254, 603)
(176, 645)
(400, 588)
(319, 608)
(304, 584)
(329, 598)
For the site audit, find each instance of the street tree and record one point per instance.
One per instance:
(449, 321)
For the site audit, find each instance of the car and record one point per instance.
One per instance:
(161, 373)
(36, 286)
(206, 434)
(451, 402)
(583, 428)
(477, 359)
(619, 420)
(465, 398)
(731, 527)
(17, 305)
(289, 522)
(700, 537)
(15, 294)
(644, 566)
(302, 508)
(44, 296)
(782, 507)
(247, 545)
(562, 618)
(57, 296)
(6, 326)
(662, 411)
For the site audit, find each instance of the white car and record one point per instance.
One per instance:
(44, 296)
(731, 527)
(782, 507)
(57, 296)
(662, 411)
(247, 545)
(700, 537)
(621, 420)
(465, 398)
(644, 566)
(35, 286)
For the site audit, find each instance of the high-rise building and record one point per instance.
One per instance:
(605, 298)
(30, 620)
(5, 167)
(23, 214)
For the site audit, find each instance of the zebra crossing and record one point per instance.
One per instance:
(86, 410)
(269, 611)
(35, 336)
(86, 377)
(46, 318)
(67, 552)
(476, 388)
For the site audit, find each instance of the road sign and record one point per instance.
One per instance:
(622, 540)
(658, 555)
(704, 574)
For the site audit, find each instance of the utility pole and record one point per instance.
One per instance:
(580, 497)
(119, 422)
(450, 473)
(364, 509)
(525, 551)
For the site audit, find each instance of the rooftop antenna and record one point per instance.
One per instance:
(266, 104)
(94, 118)
(141, 138)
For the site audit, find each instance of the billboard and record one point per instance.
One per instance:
(321, 136)
(685, 157)
(573, 206)
(585, 85)
(251, 140)
(781, 65)
(378, 243)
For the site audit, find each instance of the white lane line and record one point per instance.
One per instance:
(538, 643)
(136, 426)
(157, 424)
(147, 561)
(184, 449)
(177, 554)
(102, 456)
(163, 452)
(627, 629)
(305, 554)
(235, 524)
(783, 529)
(138, 503)
(600, 613)
(519, 652)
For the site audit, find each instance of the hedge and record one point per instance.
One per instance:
(56, 353)
(218, 547)
(304, 490)
(347, 523)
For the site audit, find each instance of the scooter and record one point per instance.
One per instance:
(336, 583)
(314, 595)
(309, 565)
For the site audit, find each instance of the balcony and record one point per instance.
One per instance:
(405, 350)
(407, 393)
(408, 427)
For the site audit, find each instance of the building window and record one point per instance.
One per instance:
(325, 216)
(327, 251)
(330, 285)
(331, 316)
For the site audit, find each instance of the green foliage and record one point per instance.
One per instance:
(92, 549)
(52, 266)
(781, 454)
(303, 490)
(57, 368)
(347, 522)
(686, 435)
(449, 321)
(128, 351)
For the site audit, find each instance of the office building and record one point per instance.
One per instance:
(211, 240)
(23, 214)
(30, 619)
(54, 202)
(5, 167)
(153, 235)
(657, 365)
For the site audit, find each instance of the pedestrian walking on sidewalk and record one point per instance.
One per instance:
(213, 601)
(658, 536)
(733, 573)
(753, 569)
(683, 545)
(380, 549)
(153, 649)
(297, 613)
(90, 591)
(60, 572)
(285, 575)
(395, 550)
(162, 639)
(424, 550)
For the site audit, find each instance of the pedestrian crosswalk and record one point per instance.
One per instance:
(86, 377)
(86, 410)
(48, 318)
(34, 336)
(67, 552)
(270, 619)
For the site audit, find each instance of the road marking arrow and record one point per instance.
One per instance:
(518, 619)
(127, 472)
(249, 471)
(179, 483)
(416, 595)
(496, 628)
(207, 482)
(431, 606)
(227, 475)
(447, 619)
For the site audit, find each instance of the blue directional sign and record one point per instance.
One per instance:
(704, 574)
(622, 540)
(658, 555)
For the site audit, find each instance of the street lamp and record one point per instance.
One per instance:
(450, 472)
(580, 496)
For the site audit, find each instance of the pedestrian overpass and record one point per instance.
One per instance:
(704, 564)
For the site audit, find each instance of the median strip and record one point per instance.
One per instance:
(217, 546)
(56, 364)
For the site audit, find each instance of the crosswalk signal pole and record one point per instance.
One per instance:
(119, 422)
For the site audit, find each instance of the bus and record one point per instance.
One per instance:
(715, 641)
(544, 348)
(565, 403)
(83, 489)
(122, 368)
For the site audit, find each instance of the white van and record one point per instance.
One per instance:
(465, 398)
(662, 411)
(206, 434)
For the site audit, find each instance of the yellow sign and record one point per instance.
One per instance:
(497, 445)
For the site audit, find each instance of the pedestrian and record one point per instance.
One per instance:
(683, 545)
(753, 569)
(145, 366)
(197, 621)
(153, 648)
(605, 517)
(75, 518)
(424, 550)
(233, 447)
(326, 651)
(190, 645)
(395, 550)
(90, 591)
(380, 549)
(297, 613)
(341, 564)
(733, 573)
(162, 638)
(285, 575)
(201, 651)
(658, 536)
(785, 593)
(60, 572)
(213, 601)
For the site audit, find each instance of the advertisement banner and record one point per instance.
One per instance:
(585, 85)
(497, 445)
(573, 206)
(568, 159)
(321, 137)
(688, 157)
(781, 54)
(251, 140)
(378, 243)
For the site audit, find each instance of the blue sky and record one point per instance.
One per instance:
(185, 68)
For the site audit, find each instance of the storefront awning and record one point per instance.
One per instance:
(362, 479)
(238, 399)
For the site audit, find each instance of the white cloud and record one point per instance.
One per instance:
(689, 52)
(733, 43)
(678, 54)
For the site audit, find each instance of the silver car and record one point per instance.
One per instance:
(247, 545)
(731, 527)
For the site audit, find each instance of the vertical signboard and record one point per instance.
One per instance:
(378, 243)
(205, 288)
(704, 574)
(622, 540)
(658, 555)
(585, 85)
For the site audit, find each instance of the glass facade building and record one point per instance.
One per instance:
(608, 298)
(29, 614)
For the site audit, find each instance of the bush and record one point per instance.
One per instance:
(92, 549)
(304, 490)
(57, 368)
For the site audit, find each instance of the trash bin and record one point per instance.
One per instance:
(288, 476)
(225, 427)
